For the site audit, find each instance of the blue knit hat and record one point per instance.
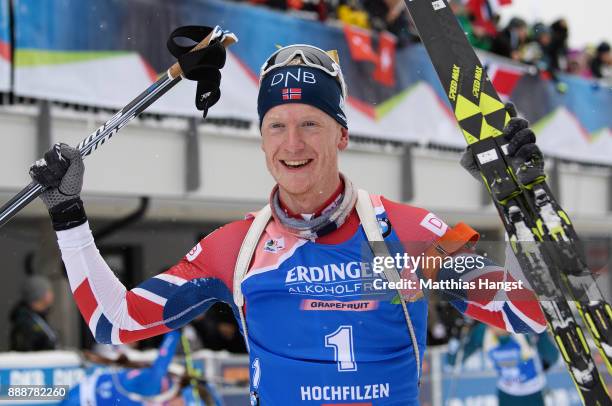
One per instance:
(301, 84)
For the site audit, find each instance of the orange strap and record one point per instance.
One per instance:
(456, 238)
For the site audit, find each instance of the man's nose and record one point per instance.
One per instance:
(294, 141)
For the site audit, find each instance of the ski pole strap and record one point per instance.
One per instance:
(456, 238)
(197, 62)
(195, 33)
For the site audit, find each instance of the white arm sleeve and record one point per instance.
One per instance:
(85, 265)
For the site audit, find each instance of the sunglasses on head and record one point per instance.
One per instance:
(310, 55)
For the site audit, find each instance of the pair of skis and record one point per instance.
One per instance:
(541, 233)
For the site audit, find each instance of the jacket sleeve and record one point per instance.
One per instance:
(464, 275)
(514, 308)
(162, 303)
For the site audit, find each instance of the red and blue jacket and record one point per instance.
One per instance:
(318, 332)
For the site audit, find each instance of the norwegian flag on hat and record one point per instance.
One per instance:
(291, 93)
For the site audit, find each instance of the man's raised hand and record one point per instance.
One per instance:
(60, 172)
(524, 156)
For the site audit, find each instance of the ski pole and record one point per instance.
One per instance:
(191, 371)
(167, 81)
(464, 336)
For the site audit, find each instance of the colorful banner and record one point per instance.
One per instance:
(5, 48)
(105, 52)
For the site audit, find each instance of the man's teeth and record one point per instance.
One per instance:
(296, 164)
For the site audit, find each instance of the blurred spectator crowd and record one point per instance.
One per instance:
(541, 45)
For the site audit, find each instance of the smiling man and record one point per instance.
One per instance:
(298, 273)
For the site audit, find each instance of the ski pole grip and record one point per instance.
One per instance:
(176, 70)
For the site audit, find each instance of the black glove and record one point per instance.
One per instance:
(203, 65)
(524, 156)
(60, 172)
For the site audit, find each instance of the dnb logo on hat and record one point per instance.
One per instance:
(293, 93)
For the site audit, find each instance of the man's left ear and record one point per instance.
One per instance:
(344, 139)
